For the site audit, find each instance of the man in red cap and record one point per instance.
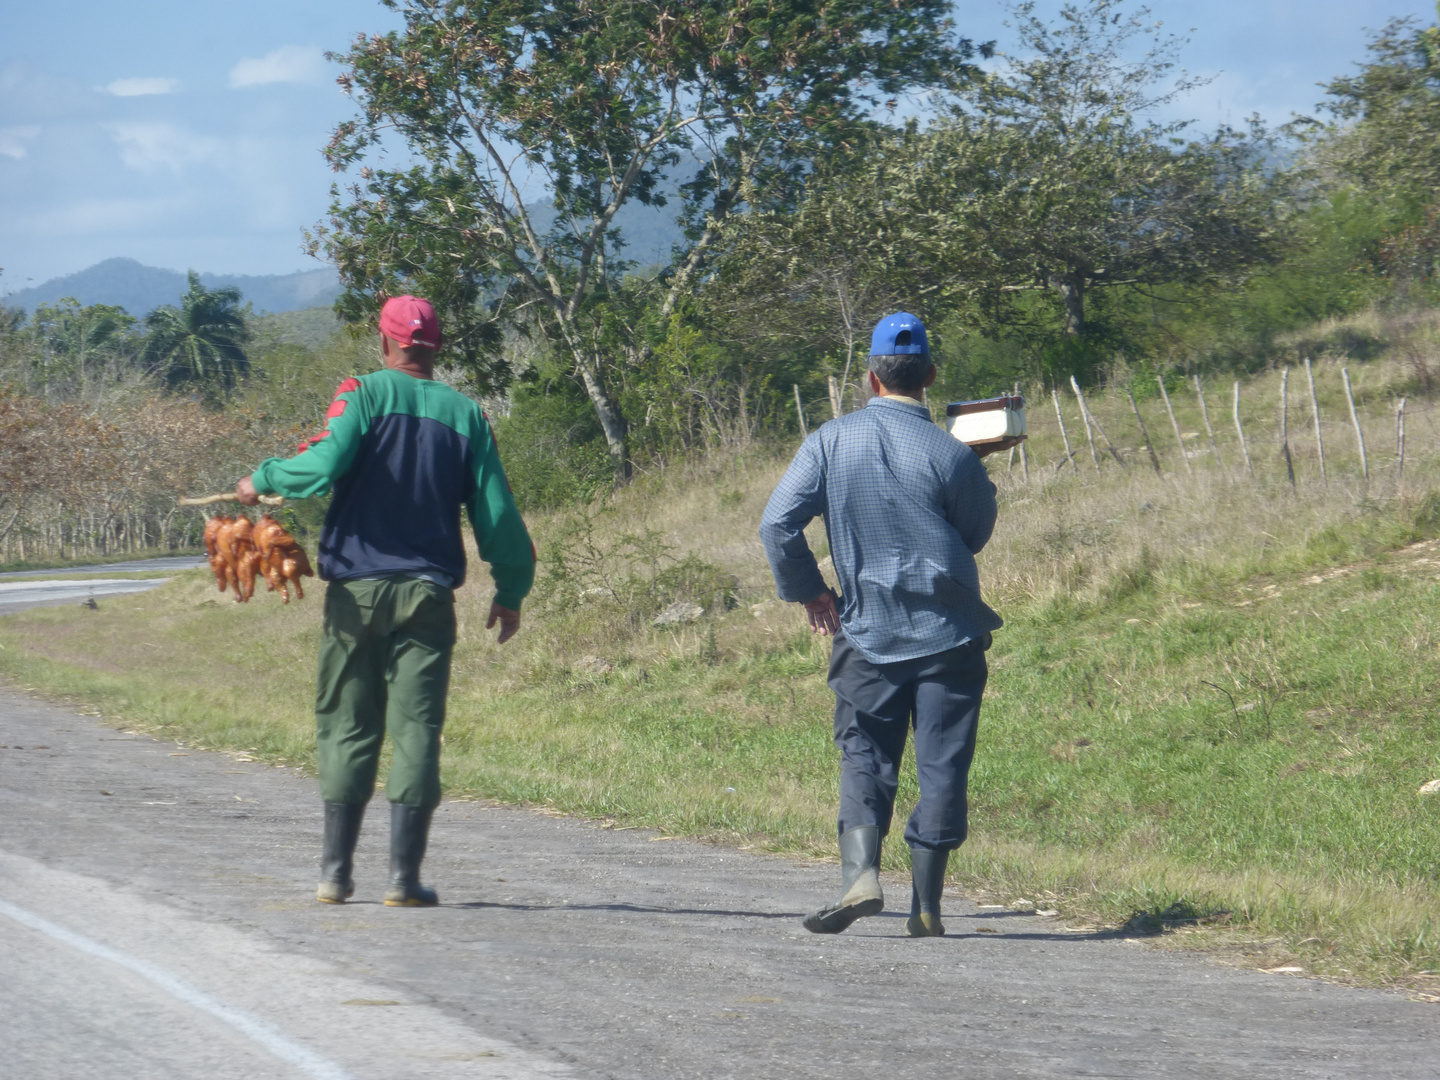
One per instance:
(403, 454)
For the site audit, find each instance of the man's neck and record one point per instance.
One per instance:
(903, 399)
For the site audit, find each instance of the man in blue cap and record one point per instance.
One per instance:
(906, 507)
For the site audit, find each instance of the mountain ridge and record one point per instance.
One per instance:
(140, 289)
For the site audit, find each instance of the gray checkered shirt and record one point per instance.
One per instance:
(906, 507)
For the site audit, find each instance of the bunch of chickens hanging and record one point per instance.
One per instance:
(239, 549)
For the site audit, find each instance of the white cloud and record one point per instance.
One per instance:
(152, 147)
(13, 140)
(288, 64)
(141, 86)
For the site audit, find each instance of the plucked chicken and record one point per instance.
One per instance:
(218, 566)
(282, 560)
(239, 549)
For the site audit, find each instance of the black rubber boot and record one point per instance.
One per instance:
(337, 852)
(860, 893)
(927, 874)
(409, 831)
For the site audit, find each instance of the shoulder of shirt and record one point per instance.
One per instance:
(934, 435)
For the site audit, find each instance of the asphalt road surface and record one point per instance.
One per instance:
(21, 589)
(19, 595)
(157, 920)
(167, 562)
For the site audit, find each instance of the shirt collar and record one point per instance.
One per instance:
(894, 400)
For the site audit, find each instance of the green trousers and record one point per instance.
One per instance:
(384, 666)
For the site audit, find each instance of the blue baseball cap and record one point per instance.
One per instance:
(901, 334)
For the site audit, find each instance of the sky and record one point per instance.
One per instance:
(188, 135)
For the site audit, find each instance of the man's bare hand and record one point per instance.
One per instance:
(245, 492)
(509, 622)
(824, 616)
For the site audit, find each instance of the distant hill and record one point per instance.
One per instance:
(649, 234)
(140, 289)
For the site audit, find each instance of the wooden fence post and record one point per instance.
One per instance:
(1069, 454)
(1244, 447)
(1355, 419)
(1315, 411)
(1091, 418)
(800, 412)
(1024, 461)
(1205, 414)
(1285, 425)
(1400, 438)
(834, 387)
(1144, 432)
(1085, 419)
(1175, 424)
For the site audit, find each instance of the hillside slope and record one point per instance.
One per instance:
(140, 289)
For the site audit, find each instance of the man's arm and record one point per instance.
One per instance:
(502, 538)
(970, 503)
(798, 500)
(322, 458)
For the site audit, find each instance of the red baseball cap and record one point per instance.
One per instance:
(409, 320)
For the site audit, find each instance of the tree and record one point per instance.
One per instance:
(1045, 179)
(1061, 184)
(593, 104)
(72, 338)
(1383, 143)
(816, 278)
(1386, 131)
(201, 343)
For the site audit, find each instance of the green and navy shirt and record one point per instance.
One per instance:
(403, 455)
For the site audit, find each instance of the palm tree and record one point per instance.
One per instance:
(200, 343)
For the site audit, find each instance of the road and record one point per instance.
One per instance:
(156, 919)
(21, 589)
(164, 562)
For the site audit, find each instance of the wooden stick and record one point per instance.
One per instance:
(1144, 432)
(1174, 424)
(800, 412)
(1315, 411)
(1024, 461)
(834, 388)
(1069, 454)
(1245, 448)
(208, 500)
(1085, 419)
(1400, 437)
(1093, 419)
(1285, 425)
(1205, 413)
(1010, 457)
(1355, 419)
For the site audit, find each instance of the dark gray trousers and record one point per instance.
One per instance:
(875, 707)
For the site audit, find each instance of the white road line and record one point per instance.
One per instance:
(309, 1062)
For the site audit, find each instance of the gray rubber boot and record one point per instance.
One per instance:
(409, 832)
(860, 893)
(337, 852)
(927, 876)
